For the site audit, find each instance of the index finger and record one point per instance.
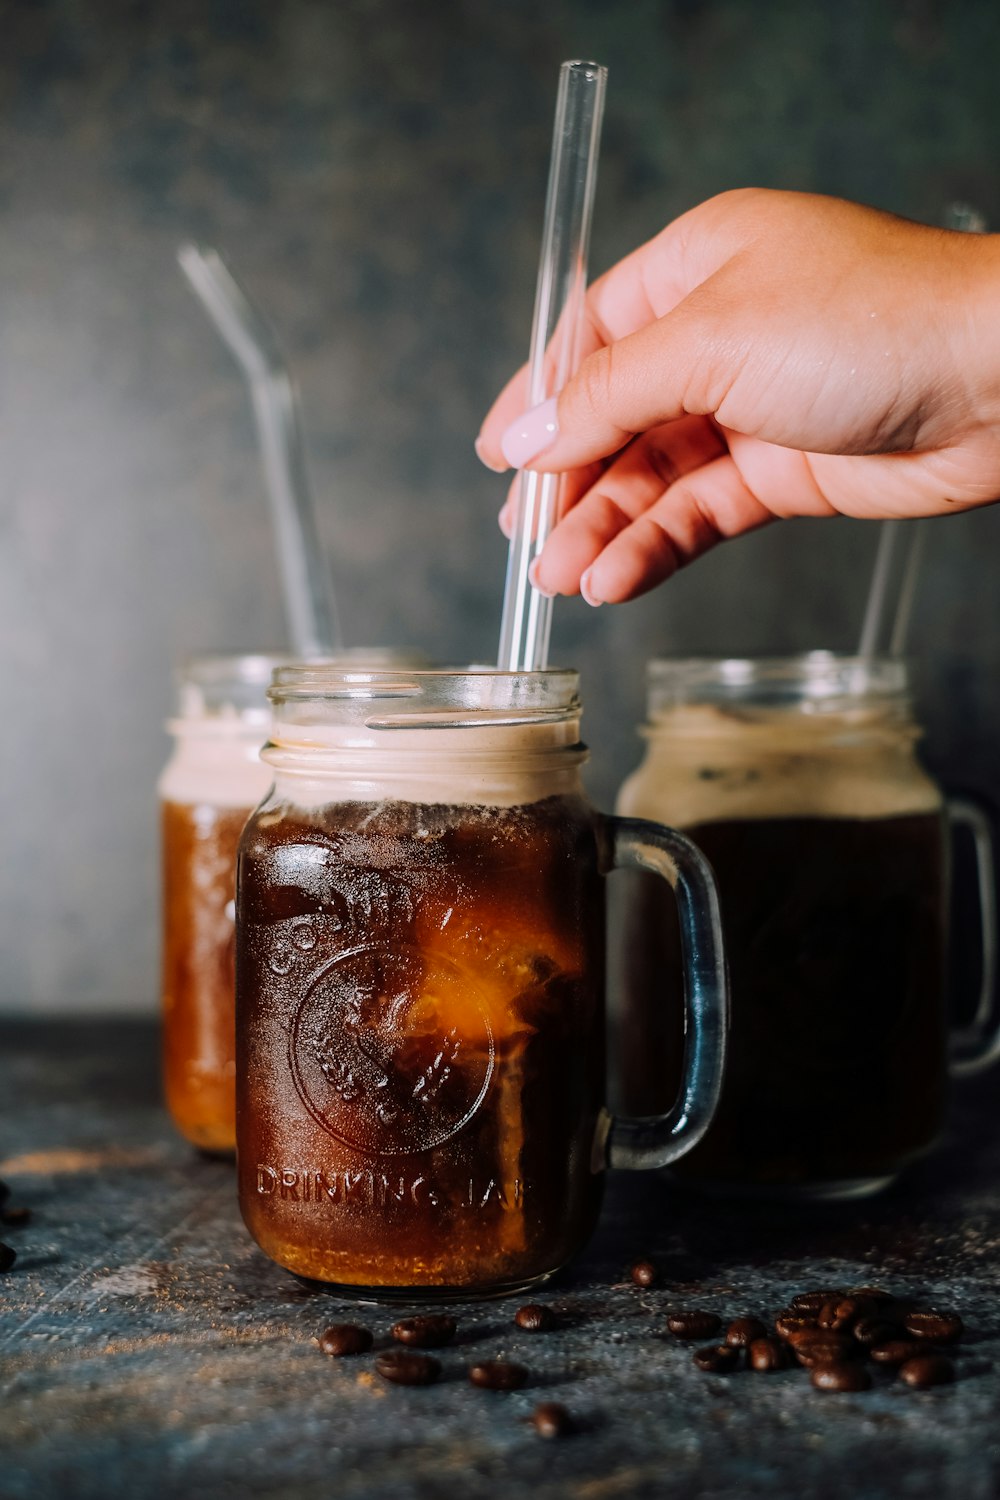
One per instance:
(635, 291)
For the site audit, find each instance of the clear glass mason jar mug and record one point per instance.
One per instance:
(798, 779)
(210, 785)
(420, 984)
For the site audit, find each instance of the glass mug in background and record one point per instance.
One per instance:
(420, 984)
(799, 781)
(210, 785)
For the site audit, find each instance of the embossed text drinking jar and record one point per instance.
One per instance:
(420, 984)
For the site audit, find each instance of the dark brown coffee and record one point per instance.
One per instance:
(420, 1040)
(835, 936)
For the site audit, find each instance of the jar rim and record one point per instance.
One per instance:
(817, 680)
(218, 684)
(472, 689)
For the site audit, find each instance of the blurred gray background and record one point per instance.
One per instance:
(376, 173)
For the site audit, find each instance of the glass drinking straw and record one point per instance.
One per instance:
(309, 602)
(555, 339)
(898, 558)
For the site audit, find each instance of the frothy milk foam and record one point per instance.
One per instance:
(216, 760)
(708, 765)
(468, 760)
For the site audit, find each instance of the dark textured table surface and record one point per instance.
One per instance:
(149, 1348)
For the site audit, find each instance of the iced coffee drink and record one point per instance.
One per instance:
(799, 782)
(420, 977)
(211, 784)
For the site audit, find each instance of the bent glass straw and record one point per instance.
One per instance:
(308, 592)
(555, 340)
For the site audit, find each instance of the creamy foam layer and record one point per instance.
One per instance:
(458, 759)
(215, 765)
(707, 764)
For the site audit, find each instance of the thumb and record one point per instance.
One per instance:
(680, 364)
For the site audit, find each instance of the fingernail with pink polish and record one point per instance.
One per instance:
(539, 587)
(483, 459)
(587, 591)
(532, 434)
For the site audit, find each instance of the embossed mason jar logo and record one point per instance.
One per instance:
(391, 1052)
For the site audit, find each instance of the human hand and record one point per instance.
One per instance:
(767, 355)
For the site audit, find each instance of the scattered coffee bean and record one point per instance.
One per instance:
(872, 1331)
(788, 1324)
(825, 1349)
(407, 1369)
(431, 1331)
(765, 1355)
(693, 1323)
(644, 1273)
(550, 1420)
(15, 1217)
(897, 1351)
(345, 1338)
(799, 1336)
(927, 1369)
(7, 1257)
(534, 1319)
(876, 1294)
(717, 1359)
(941, 1327)
(840, 1314)
(811, 1302)
(498, 1375)
(743, 1331)
(843, 1377)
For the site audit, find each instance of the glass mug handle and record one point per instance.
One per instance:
(977, 1047)
(656, 1140)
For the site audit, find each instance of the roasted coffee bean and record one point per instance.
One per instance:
(844, 1377)
(872, 1331)
(498, 1375)
(644, 1273)
(345, 1338)
(765, 1355)
(534, 1319)
(15, 1217)
(840, 1314)
(717, 1359)
(876, 1294)
(550, 1420)
(811, 1302)
(825, 1349)
(788, 1324)
(896, 1351)
(941, 1327)
(693, 1323)
(7, 1257)
(407, 1369)
(430, 1331)
(799, 1336)
(742, 1332)
(927, 1369)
